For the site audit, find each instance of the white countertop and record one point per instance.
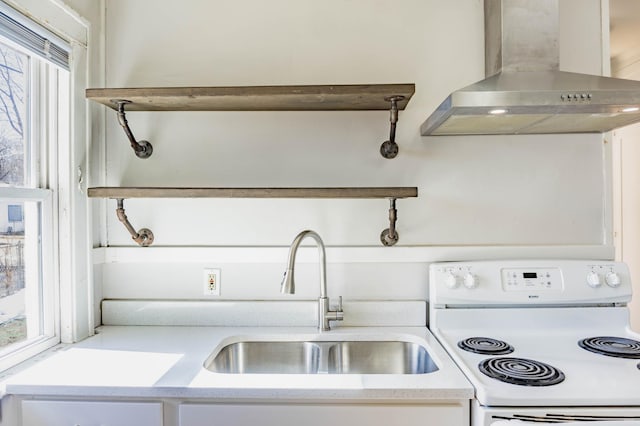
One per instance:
(167, 362)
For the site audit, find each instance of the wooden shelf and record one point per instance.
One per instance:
(144, 236)
(392, 97)
(256, 98)
(157, 192)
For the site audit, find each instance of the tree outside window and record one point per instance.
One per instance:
(13, 152)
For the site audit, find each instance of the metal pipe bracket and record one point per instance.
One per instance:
(389, 149)
(142, 149)
(144, 237)
(390, 236)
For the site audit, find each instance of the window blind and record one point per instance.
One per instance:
(33, 36)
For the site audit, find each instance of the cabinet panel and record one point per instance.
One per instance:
(89, 413)
(323, 414)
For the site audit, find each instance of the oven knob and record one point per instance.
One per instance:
(612, 279)
(470, 281)
(593, 279)
(451, 280)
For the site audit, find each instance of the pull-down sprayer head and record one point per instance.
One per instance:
(288, 286)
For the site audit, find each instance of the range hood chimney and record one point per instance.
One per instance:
(525, 92)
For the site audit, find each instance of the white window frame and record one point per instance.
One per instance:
(46, 303)
(48, 104)
(70, 298)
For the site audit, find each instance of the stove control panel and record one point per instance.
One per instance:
(603, 274)
(528, 282)
(528, 279)
(455, 277)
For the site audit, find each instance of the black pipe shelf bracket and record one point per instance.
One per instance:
(143, 149)
(390, 236)
(144, 237)
(389, 149)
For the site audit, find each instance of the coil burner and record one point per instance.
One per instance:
(618, 347)
(521, 371)
(485, 346)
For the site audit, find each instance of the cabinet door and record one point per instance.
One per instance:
(441, 414)
(89, 413)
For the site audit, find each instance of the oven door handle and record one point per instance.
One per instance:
(567, 420)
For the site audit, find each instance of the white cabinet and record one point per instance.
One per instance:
(90, 413)
(39, 412)
(441, 414)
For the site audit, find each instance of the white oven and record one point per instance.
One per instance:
(542, 342)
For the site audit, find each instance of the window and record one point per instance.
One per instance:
(34, 95)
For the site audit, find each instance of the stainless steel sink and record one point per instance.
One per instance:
(266, 358)
(379, 357)
(321, 357)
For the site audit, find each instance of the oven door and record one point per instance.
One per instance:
(635, 422)
(536, 416)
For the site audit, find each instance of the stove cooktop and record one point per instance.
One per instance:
(521, 371)
(569, 375)
(618, 347)
(485, 345)
(546, 333)
(528, 372)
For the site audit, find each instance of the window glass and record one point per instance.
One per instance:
(13, 143)
(13, 97)
(13, 327)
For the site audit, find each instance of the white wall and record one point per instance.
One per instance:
(625, 55)
(481, 191)
(625, 43)
(625, 52)
(627, 152)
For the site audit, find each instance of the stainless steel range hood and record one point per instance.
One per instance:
(526, 93)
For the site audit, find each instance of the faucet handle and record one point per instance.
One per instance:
(326, 314)
(338, 307)
(339, 312)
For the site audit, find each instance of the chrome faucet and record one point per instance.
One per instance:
(325, 314)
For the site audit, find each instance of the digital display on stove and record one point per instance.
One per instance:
(530, 279)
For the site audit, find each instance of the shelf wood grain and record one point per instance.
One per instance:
(166, 192)
(256, 98)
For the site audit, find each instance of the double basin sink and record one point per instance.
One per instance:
(321, 357)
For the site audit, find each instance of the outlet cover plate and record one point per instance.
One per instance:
(211, 282)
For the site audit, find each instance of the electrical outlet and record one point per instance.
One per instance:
(211, 282)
